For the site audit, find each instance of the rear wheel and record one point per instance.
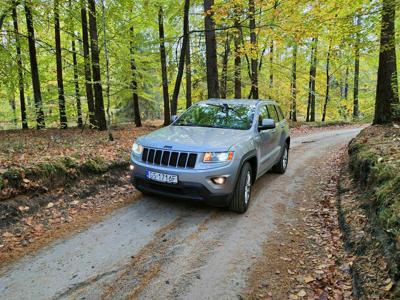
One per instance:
(241, 195)
(282, 164)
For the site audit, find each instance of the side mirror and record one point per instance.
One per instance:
(267, 124)
(174, 118)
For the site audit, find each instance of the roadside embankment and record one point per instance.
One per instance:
(369, 206)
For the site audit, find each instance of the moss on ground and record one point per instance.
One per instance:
(56, 171)
(375, 163)
(95, 165)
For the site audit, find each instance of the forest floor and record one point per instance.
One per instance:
(302, 258)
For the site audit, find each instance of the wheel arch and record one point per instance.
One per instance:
(287, 141)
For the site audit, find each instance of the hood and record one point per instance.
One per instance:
(198, 139)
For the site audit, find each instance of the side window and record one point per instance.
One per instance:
(273, 113)
(263, 114)
(280, 112)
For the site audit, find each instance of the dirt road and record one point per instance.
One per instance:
(157, 248)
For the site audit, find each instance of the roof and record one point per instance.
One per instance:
(238, 101)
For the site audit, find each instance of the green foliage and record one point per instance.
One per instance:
(53, 168)
(12, 175)
(284, 24)
(95, 165)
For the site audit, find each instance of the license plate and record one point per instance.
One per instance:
(160, 177)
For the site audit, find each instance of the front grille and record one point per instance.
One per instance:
(169, 158)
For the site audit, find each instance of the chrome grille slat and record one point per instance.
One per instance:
(169, 158)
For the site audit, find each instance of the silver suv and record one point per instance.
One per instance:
(213, 152)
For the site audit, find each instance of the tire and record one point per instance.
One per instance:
(241, 195)
(282, 164)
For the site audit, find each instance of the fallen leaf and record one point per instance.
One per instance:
(388, 287)
(308, 279)
(23, 208)
(28, 221)
(302, 293)
(7, 234)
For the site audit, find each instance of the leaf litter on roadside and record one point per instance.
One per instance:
(307, 255)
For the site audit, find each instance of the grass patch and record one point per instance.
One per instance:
(13, 176)
(95, 165)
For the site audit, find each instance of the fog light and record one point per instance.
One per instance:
(131, 167)
(219, 180)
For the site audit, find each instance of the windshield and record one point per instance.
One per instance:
(218, 116)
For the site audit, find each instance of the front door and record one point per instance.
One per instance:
(266, 141)
(277, 132)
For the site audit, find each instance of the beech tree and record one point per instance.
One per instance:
(100, 117)
(37, 94)
(24, 120)
(174, 102)
(254, 62)
(87, 64)
(387, 86)
(60, 81)
(211, 50)
(163, 60)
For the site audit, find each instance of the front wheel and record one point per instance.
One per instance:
(282, 164)
(241, 195)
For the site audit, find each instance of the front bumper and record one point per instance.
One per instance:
(193, 184)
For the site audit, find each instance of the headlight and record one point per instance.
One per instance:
(137, 148)
(218, 156)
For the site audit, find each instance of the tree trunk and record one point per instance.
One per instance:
(76, 84)
(346, 84)
(14, 109)
(224, 75)
(188, 75)
(100, 116)
(88, 72)
(238, 61)
(106, 56)
(164, 73)
(211, 51)
(60, 82)
(135, 97)
(387, 87)
(40, 123)
(293, 84)
(174, 102)
(271, 65)
(356, 71)
(313, 74)
(254, 61)
(328, 81)
(24, 120)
